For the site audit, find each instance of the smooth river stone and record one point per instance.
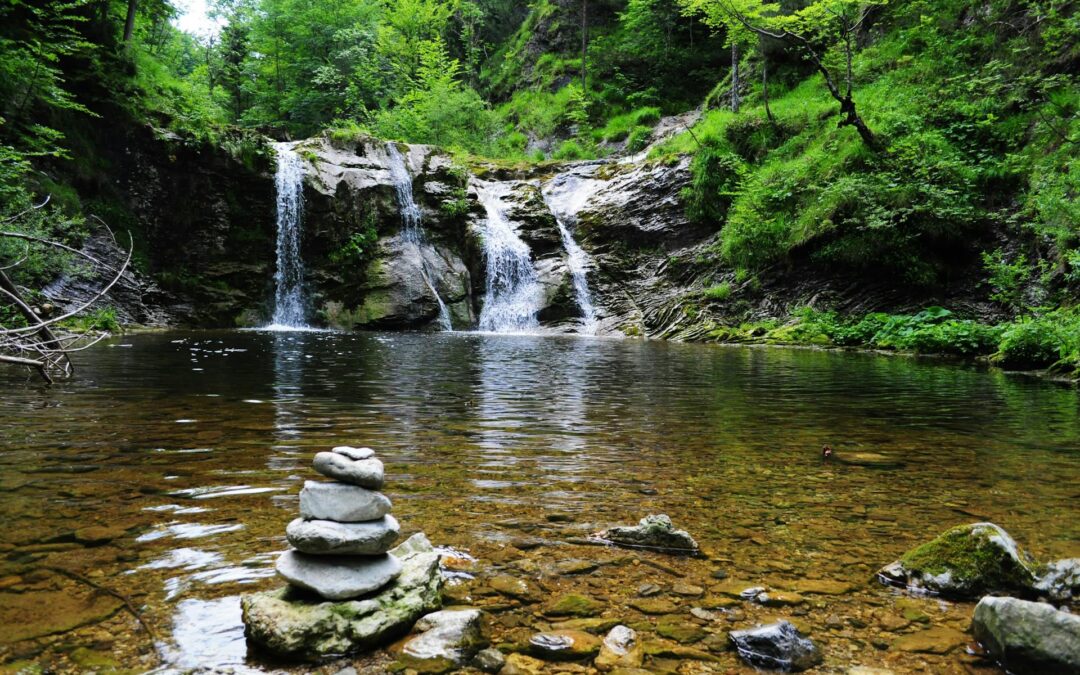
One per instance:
(322, 537)
(365, 472)
(342, 503)
(354, 453)
(339, 577)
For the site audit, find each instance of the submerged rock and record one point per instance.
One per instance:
(341, 503)
(1028, 637)
(489, 660)
(965, 562)
(656, 532)
(777, 646)
(338, 577)
(327, 537)
(619, 649)
(447, 640)
(564, 645)
(1060, 580)
(366, 473)
(295, 625)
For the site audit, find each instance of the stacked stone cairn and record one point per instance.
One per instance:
(340, 541)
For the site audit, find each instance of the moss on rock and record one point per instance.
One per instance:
(967, 561)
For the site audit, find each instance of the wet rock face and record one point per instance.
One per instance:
(656, 532)
(350, 192)
(1028, 637)
(777, 646)
(1060, 580)
(965, 562)
(447, 640)
(298, 626)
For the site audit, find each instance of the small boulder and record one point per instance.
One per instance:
(366, 473)
(489, 660)
(655, 532)
(1028, 637)
(327, 537)
(965, 562)
(341, 503)
(564, 645)
(298, 626)
(777, 646)
(338, 577)
(448, 639)
(619, 649)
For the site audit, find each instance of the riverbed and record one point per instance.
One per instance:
(141, 498)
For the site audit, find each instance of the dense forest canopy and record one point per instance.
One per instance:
(891, 141)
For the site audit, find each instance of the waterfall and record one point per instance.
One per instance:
(512, 297)
(289, 277)
(412, 233)
(565, 197)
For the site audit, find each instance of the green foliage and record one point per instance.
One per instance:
(717, 175)
(99, 319)
(720, 292)
(1006, 279)
(359, 248)
(570, 150)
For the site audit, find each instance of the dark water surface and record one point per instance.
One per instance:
(167, 470)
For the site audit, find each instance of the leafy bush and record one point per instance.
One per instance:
(1006, 279)
(720, 292)
(1031, 343)
(570, 150)
(639, 139)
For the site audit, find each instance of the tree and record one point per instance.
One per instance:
(814, 29)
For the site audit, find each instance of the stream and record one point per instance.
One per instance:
(167, 469)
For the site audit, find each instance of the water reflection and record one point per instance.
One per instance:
(484, 438)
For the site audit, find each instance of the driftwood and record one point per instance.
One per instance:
(36, 345)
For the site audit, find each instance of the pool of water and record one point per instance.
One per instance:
(158, 483)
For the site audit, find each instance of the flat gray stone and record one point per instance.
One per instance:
(338, 577)
(354, 453)
(1028, 637)
(365, 472)
(327, 537)
(342, 503)
(298, 626)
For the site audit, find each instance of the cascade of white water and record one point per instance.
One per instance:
(289, 276)
(411, 230)
(513, 295)
(564, 196)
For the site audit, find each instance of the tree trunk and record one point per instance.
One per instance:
(129, 23)
(851, 118)
(765, 89)
(734, 77)
(584, 39)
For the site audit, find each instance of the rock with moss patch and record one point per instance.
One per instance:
(297, 625)
(654, 532)
(1028, 637)
(965, 562)
(574, 604)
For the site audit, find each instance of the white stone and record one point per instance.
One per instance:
(354, 453)
(365, 472)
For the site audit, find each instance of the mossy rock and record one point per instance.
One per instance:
(965, 562)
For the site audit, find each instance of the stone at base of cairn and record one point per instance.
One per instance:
(290, 623)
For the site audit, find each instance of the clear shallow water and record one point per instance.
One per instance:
(183, 454)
